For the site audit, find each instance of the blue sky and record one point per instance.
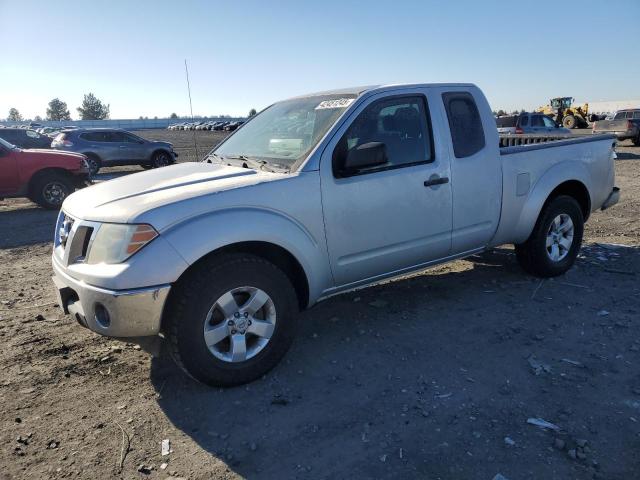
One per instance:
(245, 54)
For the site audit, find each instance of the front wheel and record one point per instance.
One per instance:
(231, 320)
(160, 159)
(569, 122)
(50, 190)
(552, 247)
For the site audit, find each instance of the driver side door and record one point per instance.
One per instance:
(382, 220)
(135, 147)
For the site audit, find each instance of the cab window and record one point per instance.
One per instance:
(401, 124)
(465, 123)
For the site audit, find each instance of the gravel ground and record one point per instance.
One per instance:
(432, 377)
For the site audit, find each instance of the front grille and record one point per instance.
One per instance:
(79, 244)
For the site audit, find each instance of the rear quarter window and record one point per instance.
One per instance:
(467, 134)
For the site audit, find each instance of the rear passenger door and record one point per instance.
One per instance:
(476, 168)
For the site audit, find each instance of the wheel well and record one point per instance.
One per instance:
(46, 171)
(275, 254)
(578, 191)
(93, 155)
(158, 150)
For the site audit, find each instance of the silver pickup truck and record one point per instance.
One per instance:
(624, 125)
(314, 196)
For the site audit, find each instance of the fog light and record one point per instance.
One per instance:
(102, 315)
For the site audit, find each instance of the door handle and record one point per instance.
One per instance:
(123, 146)
(435, 180)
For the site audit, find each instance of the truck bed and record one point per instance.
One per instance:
(528, 168)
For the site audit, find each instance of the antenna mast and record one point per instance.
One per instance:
(195, 142)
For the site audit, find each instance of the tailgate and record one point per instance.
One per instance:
(611, 126)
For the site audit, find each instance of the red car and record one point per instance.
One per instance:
(44, 176)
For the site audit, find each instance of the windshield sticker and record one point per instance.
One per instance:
(337, 103)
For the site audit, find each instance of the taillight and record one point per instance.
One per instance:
(66, 143)
(519, 130)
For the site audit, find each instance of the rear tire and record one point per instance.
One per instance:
(50, 189)
(555, 241)
(636, 141)
(94, 163)
(195, 310)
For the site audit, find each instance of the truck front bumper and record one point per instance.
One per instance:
(114, 313)
(612, 199)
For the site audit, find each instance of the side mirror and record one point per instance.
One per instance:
(367, 155)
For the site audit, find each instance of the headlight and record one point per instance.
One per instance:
(114, 242)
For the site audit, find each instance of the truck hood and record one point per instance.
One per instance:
(44, 158)
(126, 199)
(47, 152)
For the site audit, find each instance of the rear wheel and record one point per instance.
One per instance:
(552, 247)
(569, 122)
(94, 163)
(50, 190)
(231, 320)
(636, 141)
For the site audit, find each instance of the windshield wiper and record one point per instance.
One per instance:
(257, 163)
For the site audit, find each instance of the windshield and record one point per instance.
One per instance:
(285, 132)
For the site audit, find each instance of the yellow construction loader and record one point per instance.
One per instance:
(563, 112)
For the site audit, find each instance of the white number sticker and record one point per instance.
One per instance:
(337, 103)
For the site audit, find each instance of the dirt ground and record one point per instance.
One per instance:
(430, 377)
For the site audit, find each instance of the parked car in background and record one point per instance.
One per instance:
(46, 177)
(25, 138)
(230, 127)
(220, 125)
(105, 147)
(536, 123)
(624, 125)
(220, 256)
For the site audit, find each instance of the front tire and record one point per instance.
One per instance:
(160, 159)
(552, 247)
(231, 320)
(50, 190)
(569, 122)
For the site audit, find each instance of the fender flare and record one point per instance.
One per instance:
(229, 226)
(560, 173)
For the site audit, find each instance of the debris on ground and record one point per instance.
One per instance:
(166, 447)
(540, 422)
(537, 366)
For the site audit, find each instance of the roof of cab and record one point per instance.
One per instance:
(357, 91)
